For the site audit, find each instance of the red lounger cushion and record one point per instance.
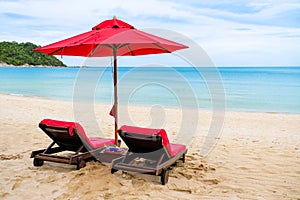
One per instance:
(93, 142)
(173, 149)
(100, 142)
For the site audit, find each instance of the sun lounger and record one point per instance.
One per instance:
(68, 136)
(149, 152)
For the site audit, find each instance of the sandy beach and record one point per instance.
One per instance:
(257, 157)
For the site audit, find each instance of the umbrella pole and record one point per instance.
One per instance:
(116, 94)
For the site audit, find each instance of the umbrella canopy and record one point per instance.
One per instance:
(112, 38)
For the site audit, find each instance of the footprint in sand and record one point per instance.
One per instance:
(3, 195)
(16, 184)
(193, 170)
(200, 167)
(11, 157)
(211, 181)
(179, 188)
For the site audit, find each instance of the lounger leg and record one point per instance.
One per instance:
(37, 162)
(183, 158)
(80, 163)
(112, 171)
(164, 177)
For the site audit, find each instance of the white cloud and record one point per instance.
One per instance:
(232, 32)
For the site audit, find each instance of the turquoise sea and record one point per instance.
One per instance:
(264, 89)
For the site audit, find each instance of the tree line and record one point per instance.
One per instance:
(13, 53)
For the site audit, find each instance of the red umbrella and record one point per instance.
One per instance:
(112, 38)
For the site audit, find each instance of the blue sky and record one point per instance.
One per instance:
(232, 32)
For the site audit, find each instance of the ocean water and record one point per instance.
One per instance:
(263, 89)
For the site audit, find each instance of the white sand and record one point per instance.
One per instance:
(256, 157)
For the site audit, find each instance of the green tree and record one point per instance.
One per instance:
(17, 54)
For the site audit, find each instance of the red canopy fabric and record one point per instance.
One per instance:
(110, 34)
